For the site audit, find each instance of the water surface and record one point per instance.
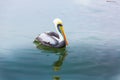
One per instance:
(93, 32)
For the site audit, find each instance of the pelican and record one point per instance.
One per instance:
(53, 39)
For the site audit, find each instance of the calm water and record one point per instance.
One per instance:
(92, 28)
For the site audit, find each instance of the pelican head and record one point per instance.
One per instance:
(60, 29)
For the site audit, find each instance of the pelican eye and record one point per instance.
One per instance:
(59, 25)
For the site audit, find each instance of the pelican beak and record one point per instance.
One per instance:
(64, 35)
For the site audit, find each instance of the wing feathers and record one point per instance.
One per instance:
(46, 39)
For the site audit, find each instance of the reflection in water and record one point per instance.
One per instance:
(57, 64)
(56, 78)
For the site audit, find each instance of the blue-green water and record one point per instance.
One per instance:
(93, 32)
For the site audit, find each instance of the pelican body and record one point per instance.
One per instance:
(53, 39)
